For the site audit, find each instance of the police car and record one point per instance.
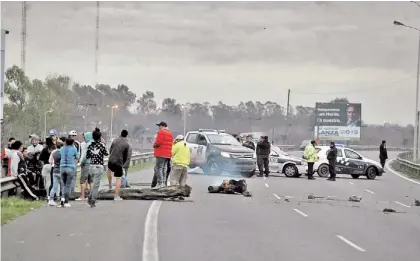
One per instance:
(282, 162)
(215, 151)
(349, 162)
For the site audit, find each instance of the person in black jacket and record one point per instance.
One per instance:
(332, 159)
(383, 153)
(263, 152)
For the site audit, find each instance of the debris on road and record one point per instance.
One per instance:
(389, 210)
(312, 196)
(171, 192)
(355, 198)
(416, 203)
(231, 186)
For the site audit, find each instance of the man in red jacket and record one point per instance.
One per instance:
(163, 153)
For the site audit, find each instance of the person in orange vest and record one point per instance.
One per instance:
(5, 170)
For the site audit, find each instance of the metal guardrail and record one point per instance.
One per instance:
(404, 159)
(11, 183)
(354, 147)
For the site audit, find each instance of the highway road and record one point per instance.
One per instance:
(232, 227)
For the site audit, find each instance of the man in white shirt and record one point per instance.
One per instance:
(35, 146)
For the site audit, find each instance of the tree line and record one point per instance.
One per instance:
(69, 105)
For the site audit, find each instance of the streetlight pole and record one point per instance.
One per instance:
(185, 119)
(112, 117)
(416, 122)
(45, 123)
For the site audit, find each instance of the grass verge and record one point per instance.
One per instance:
(411, 174)
(14, 207)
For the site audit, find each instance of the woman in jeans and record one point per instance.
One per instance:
(57, 181)
(68, 167)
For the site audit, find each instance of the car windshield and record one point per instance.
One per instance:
(224, 139)
(279, 151)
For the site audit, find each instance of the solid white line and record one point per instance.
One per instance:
(300, 212)
(351, 243)
(398, 174)
(150, 241)
(351, 183)
(276, 196)
(266, 185)
(404, 205)
(371, 192)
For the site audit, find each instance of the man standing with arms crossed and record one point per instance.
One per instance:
(118, 156)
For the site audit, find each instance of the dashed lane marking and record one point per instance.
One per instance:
(351, 182)
(404, 205)
(276, 196)
(150, 241)
(348, 242)
(265, 178)
(300, 212)
(267, 185)
(371, 192)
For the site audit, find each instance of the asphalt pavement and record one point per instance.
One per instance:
(277, 223)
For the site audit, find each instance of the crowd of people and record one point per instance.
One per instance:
(48, 169)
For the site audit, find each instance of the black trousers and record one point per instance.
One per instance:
(262, 162)
(382, 162)
(310, 169)
(331, 169)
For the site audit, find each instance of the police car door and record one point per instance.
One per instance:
(191, 141)
(354, 162)
(340, 166)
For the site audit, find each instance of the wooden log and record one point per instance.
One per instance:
(143, 194)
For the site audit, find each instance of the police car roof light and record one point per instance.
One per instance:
(222, 131)
(207, 130)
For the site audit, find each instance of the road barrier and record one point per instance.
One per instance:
(404, 160)
(354, 147)
(11, 183)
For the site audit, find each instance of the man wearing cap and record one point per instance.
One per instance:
(163, 153)
(53, 135)
(180, 161)
(35, 147)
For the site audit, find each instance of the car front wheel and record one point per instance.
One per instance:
(291, 171)
(211, 168)
(371, 173)
(323, 170)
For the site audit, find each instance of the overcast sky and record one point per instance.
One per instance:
(231, 51)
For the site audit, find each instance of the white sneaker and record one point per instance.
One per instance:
(117, 198)
(52, 203)
(67, 205)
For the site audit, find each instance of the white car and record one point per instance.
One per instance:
(282, 162)
(349, 162)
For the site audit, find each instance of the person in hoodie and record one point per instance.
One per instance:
(180, 161)
(55, 160)
(85, 177)
(162, 148)
(95, 153)
(118, 156)
(68, 164)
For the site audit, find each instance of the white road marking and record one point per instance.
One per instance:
(150, 241)
(398, 174)
(404, 205)
(300, 212)
(266, 185)
(265, 178)
(276, 196)
(351, 183)
(351, 243)
(371, 192)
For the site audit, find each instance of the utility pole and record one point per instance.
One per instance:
(23, 38)
(2, 69)
(96, 44)
(287, 115)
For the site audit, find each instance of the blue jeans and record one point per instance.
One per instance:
(68, 174)
(161, 166)
(57, 181)
(96, 172)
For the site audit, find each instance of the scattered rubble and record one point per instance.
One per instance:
(355, 198)
(231, 186)
(389, 210)
(171, 192)
(416, 203)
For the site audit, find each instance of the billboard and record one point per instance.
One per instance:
(338, 121)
